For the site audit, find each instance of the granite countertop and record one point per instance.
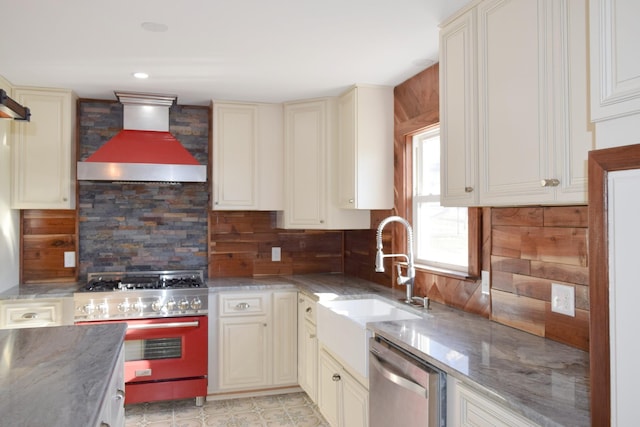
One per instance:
(40, 290)
(57, 376)
(546, 381)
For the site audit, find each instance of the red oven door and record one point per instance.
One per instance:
(165, 349)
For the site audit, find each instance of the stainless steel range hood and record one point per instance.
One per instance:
(144, 150)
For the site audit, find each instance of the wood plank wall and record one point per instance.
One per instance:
(240, 245)
(45, 236)
(533, 247)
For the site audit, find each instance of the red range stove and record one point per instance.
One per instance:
(166, 340)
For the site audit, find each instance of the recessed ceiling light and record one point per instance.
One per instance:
(154, 27)
(140, 75)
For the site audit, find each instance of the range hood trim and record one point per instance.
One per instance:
(11, 109)
(141, 172)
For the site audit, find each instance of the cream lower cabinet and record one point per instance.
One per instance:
(112, 409)
(515, 128)
(257, 345)
(307, 347)
(342, 400)
(43, 150)
(467, 407)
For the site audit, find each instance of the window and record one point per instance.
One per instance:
(441, 234)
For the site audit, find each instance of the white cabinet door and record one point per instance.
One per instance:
(365, 148)
(459, 112)
(468, 408)
(615, 63)
(342, 400)
(311, 170)
(355, 403)
(307, 347)
(43, 151)
(247, 156)
(515, 117)
(285, 344)
(235, 156)
(244, 352)
(329, 388)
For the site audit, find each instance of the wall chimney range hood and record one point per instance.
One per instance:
(10, 109)
(145, 150)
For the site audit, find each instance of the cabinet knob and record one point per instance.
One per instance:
(312, 336)
(550, 182)
(64, 199)
(120, 394)
(468, 189)
(351, 201)
(308, 310)
(322, 221)
(336, 377)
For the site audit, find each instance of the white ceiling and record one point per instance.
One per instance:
(244, 50)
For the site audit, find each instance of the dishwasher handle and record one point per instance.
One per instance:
(378, 363)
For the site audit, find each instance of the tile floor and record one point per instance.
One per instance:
(294, 409)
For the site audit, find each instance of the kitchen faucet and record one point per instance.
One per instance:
(380, 256)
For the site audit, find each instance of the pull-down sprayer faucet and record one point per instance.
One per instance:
(380, 256)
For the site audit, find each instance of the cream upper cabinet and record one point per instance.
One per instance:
(247, 156)
(532, 129)
(43, 150)
(615, 63)
(365, 148)
(310, 163)
(459, 112)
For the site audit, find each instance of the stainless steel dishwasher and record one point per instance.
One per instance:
(403, 389)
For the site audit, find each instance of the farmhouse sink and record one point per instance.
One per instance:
(342, 327)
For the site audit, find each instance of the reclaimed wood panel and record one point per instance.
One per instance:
(45, 236)
(533, 247)
(240, 245)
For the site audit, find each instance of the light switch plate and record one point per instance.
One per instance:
(275, 254)
(485, 282)
(69, 259)
(563, 299)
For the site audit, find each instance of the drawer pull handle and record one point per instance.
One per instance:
(550, 182)
(30, 316)
(242, 306)
(468, 189)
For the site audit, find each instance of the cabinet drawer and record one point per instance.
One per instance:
(243, 304)
(31, 314)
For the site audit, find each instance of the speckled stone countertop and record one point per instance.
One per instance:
(543, 380)
(56, 376)
(41, 290)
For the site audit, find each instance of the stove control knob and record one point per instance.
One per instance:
(156, 305)
(183, 304)
(138, 306)
(196, 303)
(103, 308)
(124, 307)
(171, 304)
(88, 308)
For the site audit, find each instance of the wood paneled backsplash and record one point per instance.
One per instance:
(533, 247)
(46, 236)
(241, 241)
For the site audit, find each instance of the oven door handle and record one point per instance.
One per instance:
(171, 325)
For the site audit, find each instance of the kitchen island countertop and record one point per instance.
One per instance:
(543, 380)
(57, 376)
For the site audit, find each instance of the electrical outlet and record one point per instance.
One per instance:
(485, 282)
(275, 254)
(563, 299)
(69, 259)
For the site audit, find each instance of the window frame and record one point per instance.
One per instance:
(405, 207)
